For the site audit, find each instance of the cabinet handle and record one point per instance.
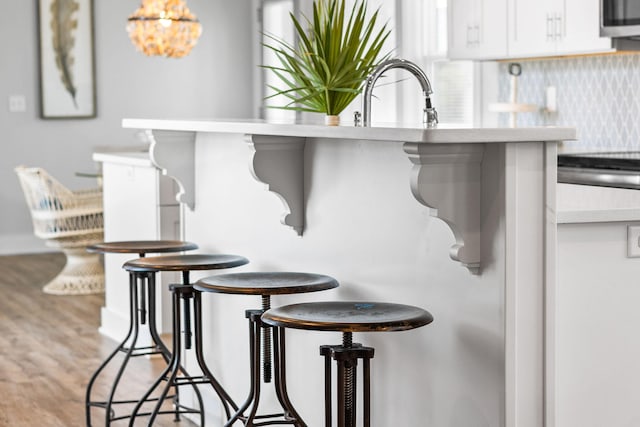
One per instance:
(473, 35)
(559, 33)
(550, 29)
(477, 38)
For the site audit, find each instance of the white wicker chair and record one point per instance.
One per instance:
(70, 221)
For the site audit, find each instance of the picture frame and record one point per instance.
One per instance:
(66, 55)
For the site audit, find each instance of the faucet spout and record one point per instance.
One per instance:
(429, 115)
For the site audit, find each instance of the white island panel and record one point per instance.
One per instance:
(364, 227)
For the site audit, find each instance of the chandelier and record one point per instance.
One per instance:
(164, 28)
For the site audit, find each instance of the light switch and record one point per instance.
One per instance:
(17, 104)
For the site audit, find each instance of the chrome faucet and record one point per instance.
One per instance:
(429, 115)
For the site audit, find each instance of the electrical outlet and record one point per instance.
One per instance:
(633, 241)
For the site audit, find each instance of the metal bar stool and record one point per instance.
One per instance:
(141, 307)
(182, 295)
(265, 285)
(346, 317)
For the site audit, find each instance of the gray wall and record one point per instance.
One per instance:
(210, 82)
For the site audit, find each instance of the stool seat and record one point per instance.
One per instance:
(348, 316)
(185, 263)
(142, 246)
(266, 283)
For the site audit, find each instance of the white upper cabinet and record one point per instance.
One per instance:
(493, 29)
(477, 29)
(581, 28)
(552, 27)
(533, 27)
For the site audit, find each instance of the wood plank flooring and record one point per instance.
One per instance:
(50, 346)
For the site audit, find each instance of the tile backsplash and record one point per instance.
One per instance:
(598, 95)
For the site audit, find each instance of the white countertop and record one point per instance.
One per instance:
(130, 158)
(440, 134)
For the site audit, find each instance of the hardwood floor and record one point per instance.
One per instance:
(50, 346)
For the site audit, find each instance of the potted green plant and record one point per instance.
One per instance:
(325, 69)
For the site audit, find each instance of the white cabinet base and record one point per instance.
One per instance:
(598, 325)
(139, 204)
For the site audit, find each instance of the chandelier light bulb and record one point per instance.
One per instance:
(164, 21)
(164, 28)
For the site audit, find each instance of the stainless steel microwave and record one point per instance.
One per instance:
(620, 18)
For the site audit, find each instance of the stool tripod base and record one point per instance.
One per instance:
(184, 300)
(247, 413)
(142, 311)
(174, 375)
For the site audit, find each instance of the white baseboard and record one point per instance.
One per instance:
(113, 325)
(14, 244)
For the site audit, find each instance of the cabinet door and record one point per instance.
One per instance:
(463, 27)
(493, 28)
(139, 204)
(532, 27)
(477, 29)
(130, 202)
(130, 211)
(579, 30)
(597, 351)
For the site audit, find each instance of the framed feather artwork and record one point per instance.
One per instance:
(67, 66)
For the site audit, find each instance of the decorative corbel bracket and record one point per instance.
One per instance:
(446, 178)
(278, 162)
(173, 152)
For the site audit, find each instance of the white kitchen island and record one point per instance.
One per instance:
(461, 222)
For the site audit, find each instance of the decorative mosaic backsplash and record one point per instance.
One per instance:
(598, 95)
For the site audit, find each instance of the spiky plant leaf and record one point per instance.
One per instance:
(325, 71)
